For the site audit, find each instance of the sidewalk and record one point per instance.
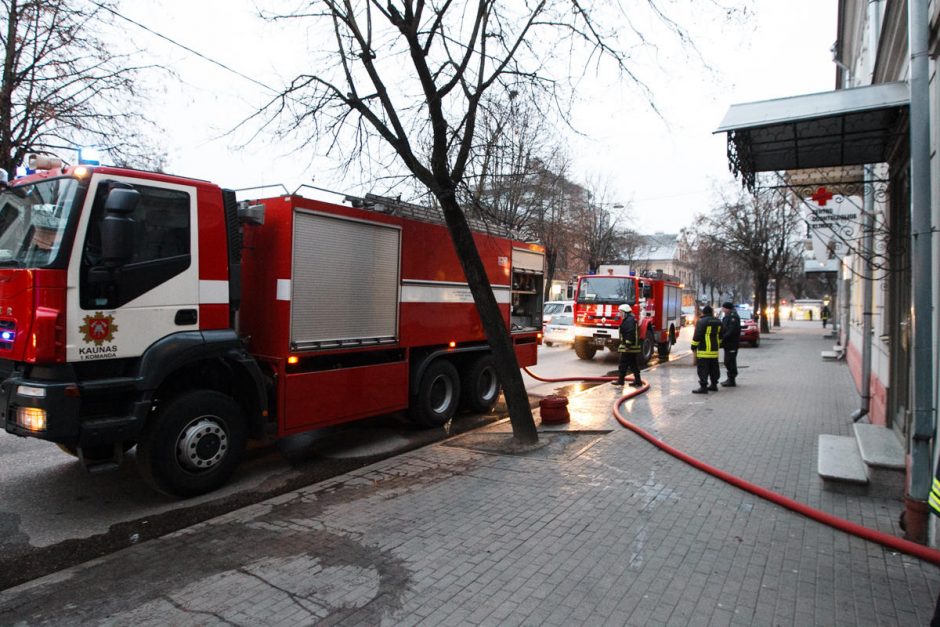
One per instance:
(597, 527)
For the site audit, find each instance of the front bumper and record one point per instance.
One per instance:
(57, 400)
(60, 402)
(598, 336)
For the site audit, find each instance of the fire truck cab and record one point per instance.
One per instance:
(656, 304)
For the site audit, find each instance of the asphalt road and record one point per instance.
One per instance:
(54, 514)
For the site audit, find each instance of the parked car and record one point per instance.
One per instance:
(555, 307)
(560, 330)
(750, 331)
(745, 311)
(688, 316)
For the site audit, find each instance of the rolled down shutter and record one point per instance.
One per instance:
(345, 286)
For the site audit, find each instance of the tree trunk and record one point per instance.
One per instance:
(777, 302)
(760, 301)
(504, 355)
(551, 257)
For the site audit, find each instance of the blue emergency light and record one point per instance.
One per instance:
(89, 156)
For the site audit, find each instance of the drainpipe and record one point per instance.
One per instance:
(874, 34)
(868, 226)
(921, 471)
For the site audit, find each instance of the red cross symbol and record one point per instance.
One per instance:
(822, 196)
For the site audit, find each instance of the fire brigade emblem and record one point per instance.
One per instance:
(98, 328)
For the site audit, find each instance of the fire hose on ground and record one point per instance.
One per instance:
(892, 542)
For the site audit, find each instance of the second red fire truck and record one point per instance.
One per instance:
(656, 302)
(148, 310)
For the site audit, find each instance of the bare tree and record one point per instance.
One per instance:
(761, 233)
(410, 79)
(63, 86)
(413, 76)
(521, 179)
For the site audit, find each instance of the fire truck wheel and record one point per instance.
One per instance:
(646, 350)
(664, 348)
(438, 395)
(479, 385)
(584, 350)
(193, 443)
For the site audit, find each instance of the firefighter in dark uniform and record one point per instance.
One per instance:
(705, 344)
(730, 337)
(629, 347)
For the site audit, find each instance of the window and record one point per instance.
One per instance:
(161, 247)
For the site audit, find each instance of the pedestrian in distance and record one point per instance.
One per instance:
(730, 338)
(824, 314)
(706, 340)
(629, 348)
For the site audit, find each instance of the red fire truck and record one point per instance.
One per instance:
(656, 302)
(152, 310)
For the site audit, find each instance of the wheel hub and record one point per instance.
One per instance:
(487, 384)
(202, 444)
(442, 393)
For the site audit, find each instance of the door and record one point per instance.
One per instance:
(899, 303)
(118, 312)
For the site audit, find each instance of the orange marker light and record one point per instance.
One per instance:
(81, 171)
(293, 359)
(453, 344)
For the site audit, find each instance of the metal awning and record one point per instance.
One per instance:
(834, 128)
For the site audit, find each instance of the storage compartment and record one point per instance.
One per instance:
(345, 286)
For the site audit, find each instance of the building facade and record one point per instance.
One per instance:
(871, 145)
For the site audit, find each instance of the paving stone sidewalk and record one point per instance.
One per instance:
(597, 527)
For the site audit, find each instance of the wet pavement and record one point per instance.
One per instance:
(594, 526)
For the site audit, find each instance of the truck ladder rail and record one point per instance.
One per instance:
(432, 214)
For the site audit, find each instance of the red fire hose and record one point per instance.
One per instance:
(897, 544)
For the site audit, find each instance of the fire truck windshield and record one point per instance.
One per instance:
(606, 289)
(33, 218)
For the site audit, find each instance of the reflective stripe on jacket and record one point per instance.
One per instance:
(933, 499)
(629, 336)
(707, 337)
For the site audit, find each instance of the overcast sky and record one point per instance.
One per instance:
(665, 169)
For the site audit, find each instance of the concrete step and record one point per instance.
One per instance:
(879, 447)
(839, 460)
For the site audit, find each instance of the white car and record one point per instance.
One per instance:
(559, 331)
(556, 307)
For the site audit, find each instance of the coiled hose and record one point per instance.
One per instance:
(892, 542)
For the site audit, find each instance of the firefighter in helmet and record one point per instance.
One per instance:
(705, 344)
(629, 347)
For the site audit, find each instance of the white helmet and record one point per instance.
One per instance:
(624, 308)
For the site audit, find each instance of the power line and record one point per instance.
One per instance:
(186, 48)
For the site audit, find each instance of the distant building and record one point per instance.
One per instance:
(667, 254)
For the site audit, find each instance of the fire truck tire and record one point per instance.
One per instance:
(664, 348)
(438, 395)
(646, 350)
(479, 385)
(192, 444)
(584, 350)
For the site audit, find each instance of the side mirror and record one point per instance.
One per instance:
(647, 291)
(117, 228)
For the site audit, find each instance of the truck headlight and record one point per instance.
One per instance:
(31, 418)
(31, 391)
